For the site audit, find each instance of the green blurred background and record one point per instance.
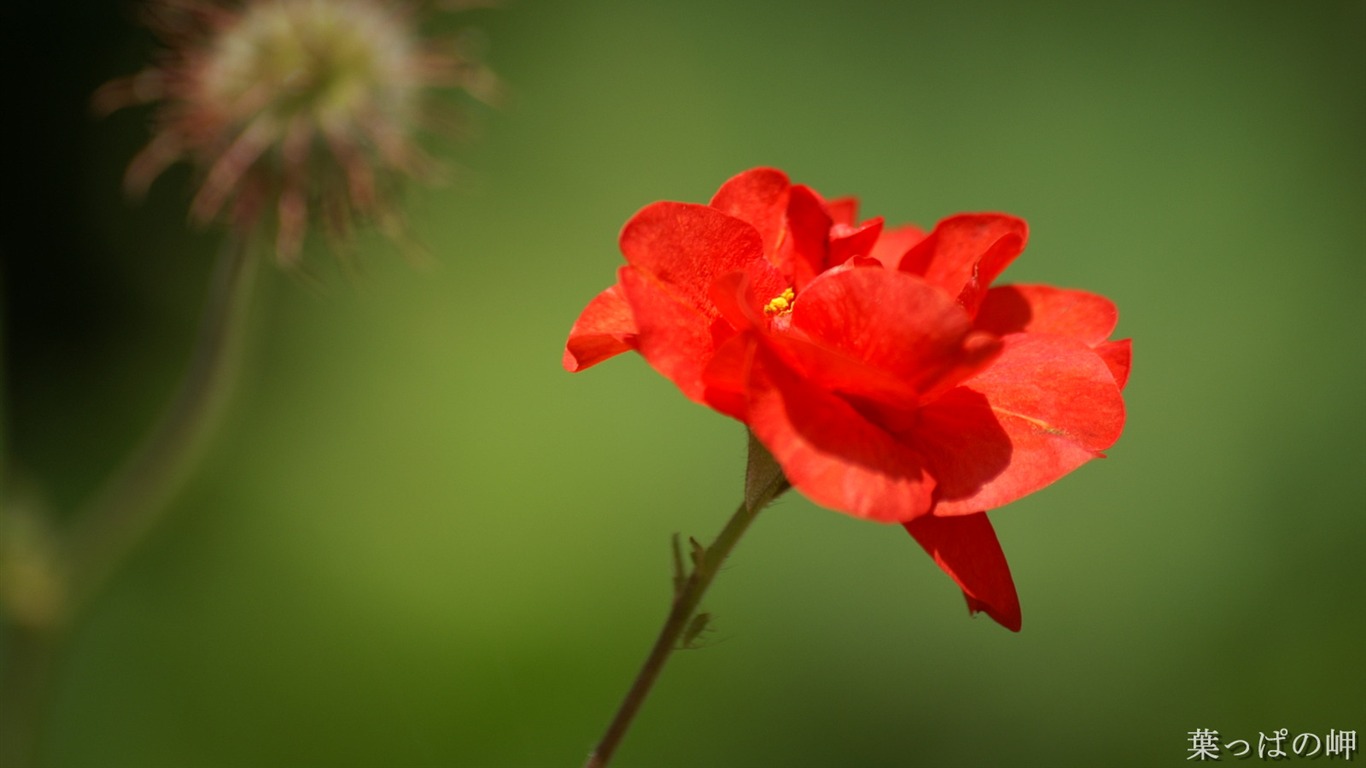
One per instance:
(417, 541)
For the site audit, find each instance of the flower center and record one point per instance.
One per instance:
(780, 304)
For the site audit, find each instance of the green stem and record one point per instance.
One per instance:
(685, 603)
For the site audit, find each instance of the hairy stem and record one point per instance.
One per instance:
(685, 603)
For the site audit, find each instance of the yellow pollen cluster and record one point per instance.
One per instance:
(781, 304)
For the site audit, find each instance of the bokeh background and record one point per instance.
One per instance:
(417, 541)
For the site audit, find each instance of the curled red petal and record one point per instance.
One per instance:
(684, 247)
(843, 210)
(966, 252)
(850, 242)
(1088, 317)
(605, 328)
(1045, 406)
(966, 548)
(805, 251)
(831, 453)
(1118, 355)
(759, 198)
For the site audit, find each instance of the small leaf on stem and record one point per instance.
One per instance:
(694, 630)
(697, 552)
(680, 574)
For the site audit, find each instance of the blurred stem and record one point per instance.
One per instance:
(763, 484)
(119, 515)
(25, 686)
(135, 499)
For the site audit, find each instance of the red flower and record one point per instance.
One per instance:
(878, 366)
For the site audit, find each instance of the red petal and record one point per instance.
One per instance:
(725, 379)
(684, 247)
(847, 242)
(676, 338)
(1118, 355)
(879, 395)
(892, 246)
(1046, 406)
(726, 375)
(886, 326)
(966, 252)
(831, 453)
(757, 197)
(805, 251)
(965, 546)
(1087, 317)
(843, 210)
(606, 328)
(738, 296)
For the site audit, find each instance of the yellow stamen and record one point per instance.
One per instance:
(781, 304)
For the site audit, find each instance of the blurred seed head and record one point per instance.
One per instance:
(296, 114)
